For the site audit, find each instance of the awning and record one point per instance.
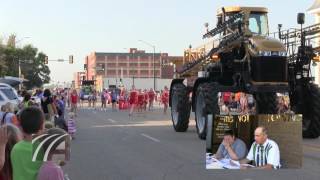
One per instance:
(315, 8)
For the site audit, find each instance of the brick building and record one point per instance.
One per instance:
(77, 78)
(133, 64)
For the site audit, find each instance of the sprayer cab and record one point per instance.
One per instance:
(255, 18)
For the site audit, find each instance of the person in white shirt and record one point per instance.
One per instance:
(264, 152)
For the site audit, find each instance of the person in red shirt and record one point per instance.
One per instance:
(151, 95)
(165, 99)
(140, 100)
(133, 99)
(74, 101)
(146, 99)
(226, 97)
(122, 99)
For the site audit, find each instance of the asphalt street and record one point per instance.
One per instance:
(111, 146)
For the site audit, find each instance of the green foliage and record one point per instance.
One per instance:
(31, 61)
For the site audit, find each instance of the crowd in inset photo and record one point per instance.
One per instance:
(283, 104)
(242, 103)
(236, 103)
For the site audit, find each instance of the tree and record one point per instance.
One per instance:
(3, 65)
(3, 62)
(31, 62)
(37, 72)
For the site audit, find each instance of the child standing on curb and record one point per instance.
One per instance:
(72, 125)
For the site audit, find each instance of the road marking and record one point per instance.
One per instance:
(151, 138)
(111, 120)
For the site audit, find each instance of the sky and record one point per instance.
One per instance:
(61, 28)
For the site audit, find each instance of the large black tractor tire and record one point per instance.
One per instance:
(206, 103)
(311, 112)
(266, 103)
(180, 107)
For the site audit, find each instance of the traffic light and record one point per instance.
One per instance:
(71, 59)
(46, 60)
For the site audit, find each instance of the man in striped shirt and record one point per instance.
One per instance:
(264, 152)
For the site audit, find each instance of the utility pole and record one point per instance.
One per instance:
(153, 58)
(19, 60)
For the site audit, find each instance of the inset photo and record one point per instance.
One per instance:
(254, 141)
(236, 103)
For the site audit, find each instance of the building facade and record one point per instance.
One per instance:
(77, 78)
(133, 64)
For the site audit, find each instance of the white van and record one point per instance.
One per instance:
(8, 94)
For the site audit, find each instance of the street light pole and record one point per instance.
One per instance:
(131, 68)
(18, 41)
(20, 87)
(154, 68)
(19, 60)
(19, 68)
(153, 58)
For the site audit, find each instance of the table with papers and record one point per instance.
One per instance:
(213, 163)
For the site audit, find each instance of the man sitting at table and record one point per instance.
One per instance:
(231, 147)
(264, 152)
